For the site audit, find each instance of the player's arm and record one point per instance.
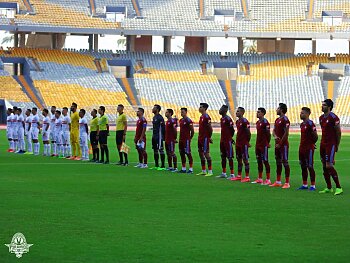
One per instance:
(274, 134)
(191, 130)
(175, 130)
(97, 131)
(47, 127)
(314, 135)
(29, 125)
(107, 126)
(268, 135)
(143, 132)
(337, 134)
(285, 135)
(162, 126)
(125, 122)
(23, 124)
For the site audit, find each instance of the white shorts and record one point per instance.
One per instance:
(58, 138)
(83, 140)
(66, 138)
(15, 134)
(21, 134)
(9, 134)
(29, 136)
(35, 133)
(52, 136)
(46, 136)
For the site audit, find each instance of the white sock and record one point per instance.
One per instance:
(68, 150)
(30, 147)
(62, 150)
(54, 148)
(23, 145)
(86, 152)
(48, 149)
(36, 147)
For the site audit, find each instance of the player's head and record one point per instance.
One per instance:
(34, 110)
(327, 105)
(183, 112)
(57, 114)
(169, 113)
(93, 113)
(14, 109)
(64, 111)
(9, 111)
(240, 112)
(203, 107)
(53, 109)
(28, 112)
(305, 113)
(120, 108)
(260, 113)
(45, 112)
(223, 110)
(282, 109)
(18, 111)
(73, 107)
(82, 113)
(140, 112)
(101, 110)
(156, 109)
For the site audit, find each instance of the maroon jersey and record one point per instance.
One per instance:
(170, 135)
(227, 129)
(204, 122)
(140, 124)
(281, 125)
(242, 134)
(263, 130)
(306, 140)
(185, 129)
(328, 124)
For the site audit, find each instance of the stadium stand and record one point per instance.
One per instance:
(342, 105)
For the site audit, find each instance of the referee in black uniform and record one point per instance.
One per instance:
(158, 138)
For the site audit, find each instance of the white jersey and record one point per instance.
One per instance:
(65, 123)
(82, 126)
(52, 123)
(9, 122)
(35, 122)
(46, 123)
(14, 118)
(28, 121)
(58, 126)
(20, 120)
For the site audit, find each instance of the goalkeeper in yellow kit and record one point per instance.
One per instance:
(74, 133)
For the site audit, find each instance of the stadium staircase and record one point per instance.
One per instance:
(28, 6)
(229, 89)
(136, 5)
(28, 87)
(310, 9)
(98, 65)
(35, 64)
(245, 8)
(201, 8)
(92, 6)
(128, 85)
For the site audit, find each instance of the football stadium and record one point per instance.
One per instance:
(174, 131)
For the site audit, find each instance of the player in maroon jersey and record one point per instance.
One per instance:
(262, 146)
(242, 145)
(186, 135)
(170, 140)
(140, 138)
(331, 135)
(204, 138)
(281, 133)
(226, 142)
(307, 148)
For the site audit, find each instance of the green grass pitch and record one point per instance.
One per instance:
(82, 212)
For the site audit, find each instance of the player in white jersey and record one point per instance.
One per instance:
(14, 128)
(34, 130)
(20, 131)
(83, 135)
(46, 132)
(58, 149)
(9, 130)
(66, 133)
(27, 133)
(52, 128)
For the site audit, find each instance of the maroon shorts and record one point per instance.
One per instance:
(203, 145)
(306, 157)
(170, 147)
(242, 151)
(185, 146)
(262, 153)
(226, 149)
(327, 153)
(282, 153)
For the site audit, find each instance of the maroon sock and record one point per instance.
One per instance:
(260, 166)
(230, 162)
(267, 167)
(144, 157)
(304, 174)
(190, 159)
(223, 162)
(175, 161)
(183, 158)
(312, 175)
(327, 178)
(334, 175)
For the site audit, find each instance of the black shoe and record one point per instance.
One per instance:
(93, 160)
(106, 162)
(99, 161)
(125, 164)
(119, 163)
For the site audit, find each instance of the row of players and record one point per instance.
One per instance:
(167, 131)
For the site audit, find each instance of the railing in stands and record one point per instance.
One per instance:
(201, 8)
(310, 13)
(245, 8)
(92, 6)
(136, 6)
(28, 5)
